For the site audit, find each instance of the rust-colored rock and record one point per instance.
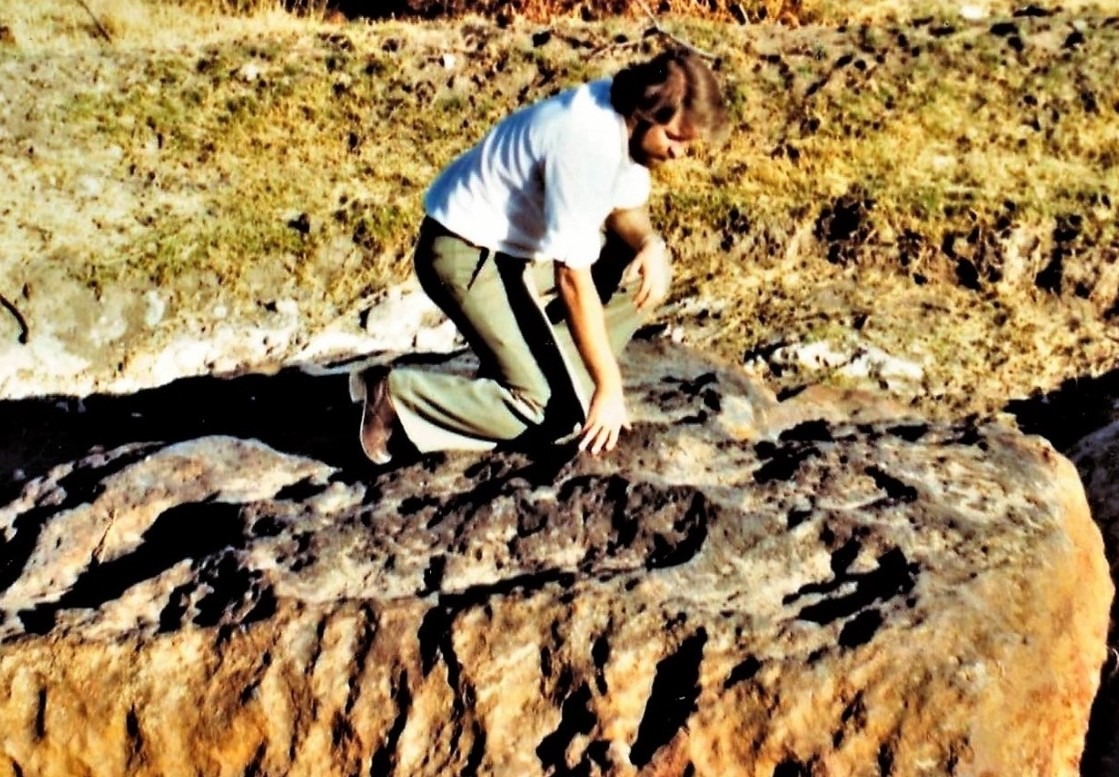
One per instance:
(742, 589)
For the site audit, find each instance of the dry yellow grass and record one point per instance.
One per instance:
(231, 159)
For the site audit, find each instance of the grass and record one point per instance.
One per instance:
(263, 153)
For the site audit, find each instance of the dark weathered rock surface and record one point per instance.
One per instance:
(819, 586)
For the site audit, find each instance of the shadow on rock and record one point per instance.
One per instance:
(1078, 409)
(291, 411)
(1065, 416)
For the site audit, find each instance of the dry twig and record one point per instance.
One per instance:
(100, 27)
(675, 39)
(23, 329)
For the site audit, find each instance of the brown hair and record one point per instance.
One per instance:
(655, 91)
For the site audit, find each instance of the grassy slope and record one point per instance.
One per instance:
(233, 162)
(973, 175)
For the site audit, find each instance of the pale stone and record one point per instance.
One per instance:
(745, 587)
(974, 13)
(250, 71)
(155, 308)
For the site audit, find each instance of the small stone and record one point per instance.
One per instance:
(156, 307)
(90, 187)
(448, 61)
(249, 72)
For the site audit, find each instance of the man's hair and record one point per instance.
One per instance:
(655, 91)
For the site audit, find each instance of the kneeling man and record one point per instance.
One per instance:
(538, 246)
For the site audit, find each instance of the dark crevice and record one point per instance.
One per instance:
(436, 641)
(797, 517)
(622, 520)
(435, 627)
(364, 645)
(672, 699)
(895, 489)
(477, 751)
(135, 740)
(317, 648)
(82, 486)
(41, 715)
(598, 753)
(249, 691)
(194, 530)
(860, 629)
(435, 623)
(433, 574)
(808, 431)
(792, 767)
(341, 733)
(255, 767)
(783, 463)
(384, 759)
(301, 491)
(576, 717)
(600, 654)
(693, 525)
(909, 432)
(171, 617)
(894, 576)
(842, 559)
(234, 592)
(132, 728)
(886, 759)
(742, 672)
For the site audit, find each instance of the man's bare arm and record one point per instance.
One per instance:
(651, 264)
(607, 414)
(633, 226)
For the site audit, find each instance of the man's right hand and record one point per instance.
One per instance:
(606, 414)
(606, 417)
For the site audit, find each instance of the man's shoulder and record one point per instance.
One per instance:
(592, 99)
(582, 110)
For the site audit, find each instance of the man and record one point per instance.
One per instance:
(512, 250)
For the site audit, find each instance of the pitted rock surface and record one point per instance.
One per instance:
(745, 587)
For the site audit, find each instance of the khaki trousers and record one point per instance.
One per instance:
(532, 386)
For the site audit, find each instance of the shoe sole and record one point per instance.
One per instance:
(359, 394)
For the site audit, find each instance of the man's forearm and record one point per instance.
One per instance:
(587, 320)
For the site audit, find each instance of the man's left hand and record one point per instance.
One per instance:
(652, 270)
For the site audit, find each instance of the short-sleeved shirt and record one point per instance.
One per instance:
(542, 182)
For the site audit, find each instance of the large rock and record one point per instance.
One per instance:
(746, 587)
(1097, 459)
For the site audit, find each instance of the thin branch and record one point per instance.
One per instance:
(665, 33)
(24, 331)
(614, 46)
(100, 27)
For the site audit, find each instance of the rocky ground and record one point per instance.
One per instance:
(234, 203)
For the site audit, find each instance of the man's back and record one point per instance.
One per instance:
(541, 182)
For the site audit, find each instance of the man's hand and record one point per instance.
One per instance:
(606, 417)
(652, 270)
(606, 414)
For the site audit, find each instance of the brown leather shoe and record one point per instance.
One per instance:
(378, 418)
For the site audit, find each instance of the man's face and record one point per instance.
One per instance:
(652, 144)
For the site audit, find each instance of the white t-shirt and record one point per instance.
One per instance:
(542, 182)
